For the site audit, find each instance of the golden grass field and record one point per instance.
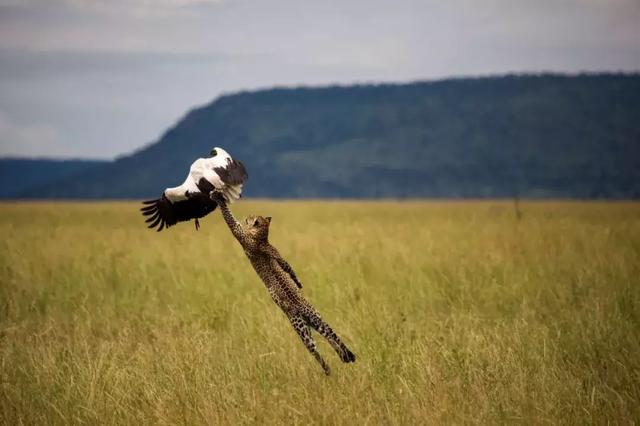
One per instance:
(457, 311)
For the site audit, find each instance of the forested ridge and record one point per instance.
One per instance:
(527, 136)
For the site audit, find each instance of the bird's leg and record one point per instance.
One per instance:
(190, 194)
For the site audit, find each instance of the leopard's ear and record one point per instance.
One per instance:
(268, 219)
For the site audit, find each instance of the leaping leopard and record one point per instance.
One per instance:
(281, 281)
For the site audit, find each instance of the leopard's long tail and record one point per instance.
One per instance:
(323, 328)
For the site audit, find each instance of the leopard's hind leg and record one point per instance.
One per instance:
(300, 326)
(313, 319)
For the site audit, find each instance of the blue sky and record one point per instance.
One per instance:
(101, 78)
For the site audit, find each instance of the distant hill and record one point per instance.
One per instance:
(19, 174)
(531, 136)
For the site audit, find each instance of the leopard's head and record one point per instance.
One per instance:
(258, 227)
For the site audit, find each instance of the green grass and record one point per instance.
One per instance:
(458, 313)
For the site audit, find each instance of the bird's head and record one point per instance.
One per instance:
(258, 227)
(217, 151)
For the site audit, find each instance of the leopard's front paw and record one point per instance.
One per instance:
(216, 195)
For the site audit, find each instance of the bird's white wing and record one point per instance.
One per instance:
(178, 193)
(213, 178)
(225, 174)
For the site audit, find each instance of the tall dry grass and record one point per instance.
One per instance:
(457, 311)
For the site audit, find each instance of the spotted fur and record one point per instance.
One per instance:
(281, 282)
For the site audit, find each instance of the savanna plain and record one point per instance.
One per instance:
(458, 312)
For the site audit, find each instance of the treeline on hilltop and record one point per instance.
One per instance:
(526, 136)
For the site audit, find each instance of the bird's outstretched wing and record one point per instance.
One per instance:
(233, 173)
(163, 213)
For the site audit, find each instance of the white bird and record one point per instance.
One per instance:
(191, 199)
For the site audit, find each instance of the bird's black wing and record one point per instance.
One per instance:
(233, 173)
(163, 213)
(205, 186)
